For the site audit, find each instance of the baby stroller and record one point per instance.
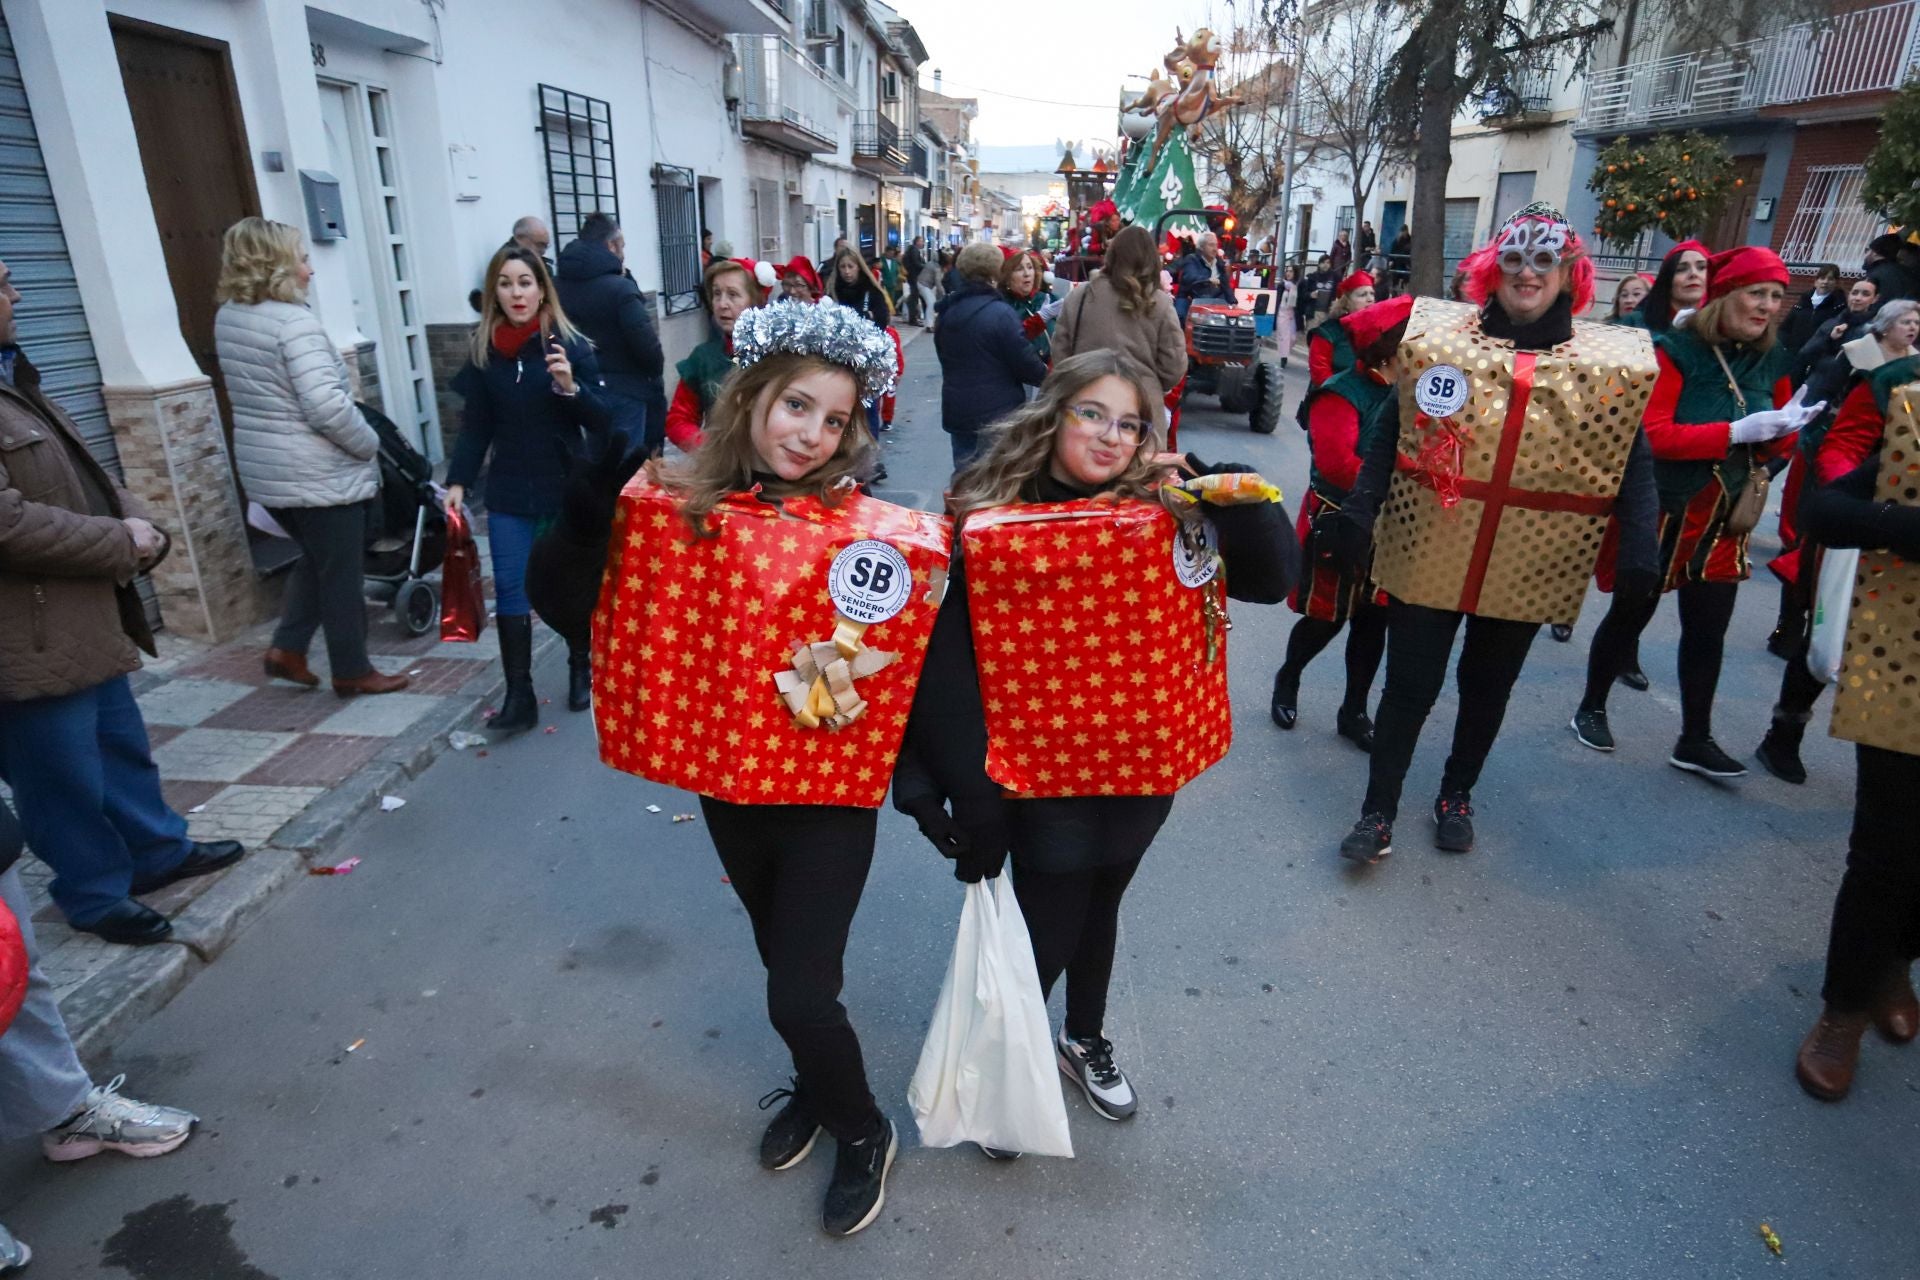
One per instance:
(407, 534)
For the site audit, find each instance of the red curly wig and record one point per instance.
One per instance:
(1482, 267)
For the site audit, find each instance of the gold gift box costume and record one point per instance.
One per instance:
(1876, 700)
(1498, 509)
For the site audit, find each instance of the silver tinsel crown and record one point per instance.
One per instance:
(820, 329)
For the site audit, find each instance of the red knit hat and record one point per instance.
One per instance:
(1103, 210)
(1738, 268)
(1358, 280)
(1685, 245)
(1366, 325)
(799, 266)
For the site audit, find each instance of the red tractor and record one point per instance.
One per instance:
(1223, 348)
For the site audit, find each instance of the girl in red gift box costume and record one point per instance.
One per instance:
(784, 440)
(729, 287)
(1720, 413)
(1530, 282)
(1083, 454)
(1360, 401)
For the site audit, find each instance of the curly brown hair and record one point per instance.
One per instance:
(726, 461)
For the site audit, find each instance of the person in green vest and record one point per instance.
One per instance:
(728, 287)
(1023, 283)
(1348, 408)
(1679, 286)
(1329, 350)
(1720, 412)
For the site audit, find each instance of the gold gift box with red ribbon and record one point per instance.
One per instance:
(1498, 505)
(1102, 672)
(1876, 700)
(696, 640)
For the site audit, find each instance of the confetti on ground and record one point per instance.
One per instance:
(683, 817)
(389, 803)
(546, 702)
(553, 728)
(199, 808)
(460, 740)
(1772, 1240)
(726, 879)
(653, 808)
(337, 869)
(356, 1044)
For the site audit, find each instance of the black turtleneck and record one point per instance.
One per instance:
(1551, 329)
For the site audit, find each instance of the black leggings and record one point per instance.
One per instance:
(1419, 642)
(1706, 609)
(799, 870)
(1876, 916)
(1366, 642)
(1798, 689)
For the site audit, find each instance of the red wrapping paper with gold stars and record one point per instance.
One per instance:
(689, 633)
(1093, 654)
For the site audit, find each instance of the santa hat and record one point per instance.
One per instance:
(1366, 326)
(1358, 280)
(762, 273)
(1102, 211)
(799, 266)
(1738, 268)
(1008, 252)
(1686, 245)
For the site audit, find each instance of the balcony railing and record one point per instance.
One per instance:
(1867, 51)
(784, 97)
(876, 142)
(1527, 96)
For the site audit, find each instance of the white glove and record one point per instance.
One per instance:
(1771, 424)
(1052, 308)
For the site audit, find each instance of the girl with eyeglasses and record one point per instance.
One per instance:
(1056, 718)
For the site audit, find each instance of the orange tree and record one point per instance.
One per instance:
(1673, 183)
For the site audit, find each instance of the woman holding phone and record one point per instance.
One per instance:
(530, 387)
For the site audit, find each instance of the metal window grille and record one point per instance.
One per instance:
(677, 205)
(1830, 225)
(580, 174)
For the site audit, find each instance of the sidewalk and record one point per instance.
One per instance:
(282, 769)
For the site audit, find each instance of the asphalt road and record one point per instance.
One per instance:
(1566, 1054)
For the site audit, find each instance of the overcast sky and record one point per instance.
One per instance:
(1079, 52)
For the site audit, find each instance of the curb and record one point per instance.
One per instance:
(110, 1004)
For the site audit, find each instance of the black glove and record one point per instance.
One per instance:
(596, 473)
(979, 864)
(1344, 541)
(941, 831)
(1200, 468)
(1637, 585)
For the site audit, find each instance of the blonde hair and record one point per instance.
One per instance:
(726, 461)
(259, 262)
(1132, 268)
(1019, 447)
(553, 317)
(1705, 324)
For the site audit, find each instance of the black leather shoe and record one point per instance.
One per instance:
(1356, 727)
(132, 923)
(1285, 707)
(201, 860)
(1634, 678)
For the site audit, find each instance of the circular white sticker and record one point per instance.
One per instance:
(1196, 568)
(1440, 391)
(869, 581)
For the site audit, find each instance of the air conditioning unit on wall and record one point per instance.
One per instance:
(819, 22)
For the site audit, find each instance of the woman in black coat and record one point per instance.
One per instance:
(1094, 430)
(986, 362)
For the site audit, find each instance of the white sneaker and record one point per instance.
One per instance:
(1089, 1064)
(110, 1122)
(14, 1254)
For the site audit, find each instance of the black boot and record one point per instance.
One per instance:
(1779, 751)
(579, 680)
(1285, 707)
(519, 711)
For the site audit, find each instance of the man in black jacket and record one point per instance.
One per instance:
(1817, 309)
(986, 362)
(605, 303)
(1882, 267)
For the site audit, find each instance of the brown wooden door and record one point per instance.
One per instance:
(193, 148)
(1730, 229)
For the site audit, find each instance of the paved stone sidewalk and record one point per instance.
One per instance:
(276, 766)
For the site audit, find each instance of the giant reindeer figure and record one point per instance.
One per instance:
(1196, 99)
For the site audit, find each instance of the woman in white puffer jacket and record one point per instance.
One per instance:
(300, 448)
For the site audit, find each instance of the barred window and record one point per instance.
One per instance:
(1830, 224)
(676, 203)
(580, 174)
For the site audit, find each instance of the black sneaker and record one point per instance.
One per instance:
(1635, 679)
(1089, 1064)
(1356, 728)
(1704, 756)
(1370, 840)
(791, 1134)
(1455, 818)
(1591, 728)
(1561, 631)
(1779, 754)
(1285, 708)
(859, 1186)
(996, 1153)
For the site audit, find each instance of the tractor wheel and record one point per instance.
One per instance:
(1236, 389)
(1269, 390)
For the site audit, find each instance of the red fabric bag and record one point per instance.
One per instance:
(13, 967)
(463, 597)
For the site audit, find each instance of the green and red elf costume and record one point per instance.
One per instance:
(1329, 348)
(707, 366)
(1032, 309)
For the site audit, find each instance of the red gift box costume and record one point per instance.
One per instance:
(690, 631)
(1066, 599)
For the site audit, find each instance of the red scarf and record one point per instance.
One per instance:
(509, 338)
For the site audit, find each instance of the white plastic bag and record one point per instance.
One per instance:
(987, 1072)
(1832, 602)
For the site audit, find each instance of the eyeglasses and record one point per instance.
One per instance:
(1130, 429)
(1514, 261)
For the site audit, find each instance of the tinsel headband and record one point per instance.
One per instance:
(823, 329)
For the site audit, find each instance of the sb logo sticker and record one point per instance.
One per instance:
(1196, 568)
(1440, 391)
(869, 581)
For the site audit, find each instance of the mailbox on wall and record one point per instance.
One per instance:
(326, 213)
